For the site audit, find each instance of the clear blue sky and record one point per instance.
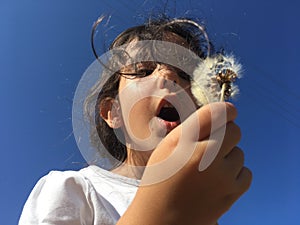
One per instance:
(44, 50)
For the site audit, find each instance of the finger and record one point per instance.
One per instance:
(219, 144)
(244, 180)
(231, 138)
(199, 126)
(213, 116)
(235, 161)
(207, 120)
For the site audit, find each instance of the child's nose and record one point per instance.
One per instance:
(168, 78)
(168, 72)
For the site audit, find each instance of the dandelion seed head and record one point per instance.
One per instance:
(210, 75)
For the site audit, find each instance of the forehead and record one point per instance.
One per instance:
(169, 47)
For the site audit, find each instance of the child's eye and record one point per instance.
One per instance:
(183, 75)
(144, 72)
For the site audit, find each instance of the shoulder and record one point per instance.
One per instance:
(58, 196)
(58, 182)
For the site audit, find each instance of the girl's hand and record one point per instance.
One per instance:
(191, 196)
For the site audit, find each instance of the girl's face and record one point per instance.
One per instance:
(153, 105)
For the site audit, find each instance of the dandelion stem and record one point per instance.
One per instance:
(224, 87)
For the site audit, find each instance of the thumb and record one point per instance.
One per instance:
(177, 148)
(204, 121)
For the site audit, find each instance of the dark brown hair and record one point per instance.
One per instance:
(188, 29)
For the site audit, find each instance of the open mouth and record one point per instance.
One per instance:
(168, 112)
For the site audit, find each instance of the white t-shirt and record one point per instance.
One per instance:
(91, 196)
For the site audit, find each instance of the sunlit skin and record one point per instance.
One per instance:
(141, 119)
(189, 196)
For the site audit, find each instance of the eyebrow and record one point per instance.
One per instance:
(139, 65)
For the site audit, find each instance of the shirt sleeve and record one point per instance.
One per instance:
(59, 198)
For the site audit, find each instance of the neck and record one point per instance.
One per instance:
(126, 170)
(134, 165)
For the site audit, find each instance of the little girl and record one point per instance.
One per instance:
(174, 157)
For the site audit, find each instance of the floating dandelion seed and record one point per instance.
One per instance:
(214, 79)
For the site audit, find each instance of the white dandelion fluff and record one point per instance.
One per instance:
(214, 77)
